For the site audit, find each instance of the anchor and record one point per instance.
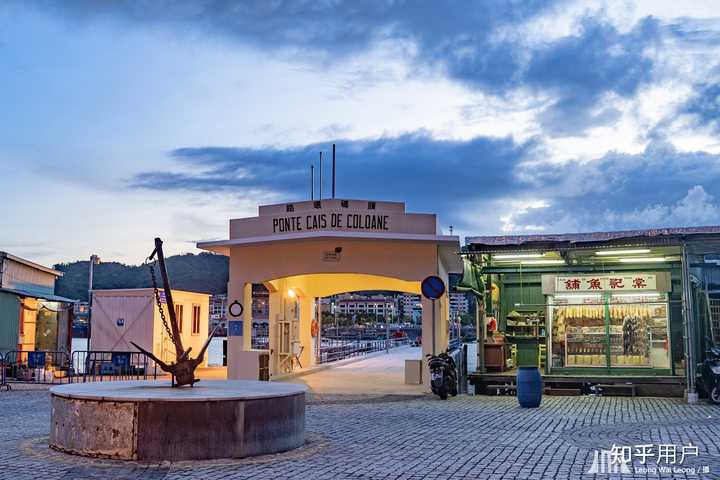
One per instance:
(183, 369)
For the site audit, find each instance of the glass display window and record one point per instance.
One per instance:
(641, 321)
(609, 330)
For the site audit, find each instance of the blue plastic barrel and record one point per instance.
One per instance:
(529, 387)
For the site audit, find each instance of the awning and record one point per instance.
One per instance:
(41, 296)
(472, 280)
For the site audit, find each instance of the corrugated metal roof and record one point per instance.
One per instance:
(44, 296)
(37, 266)
(507, 240)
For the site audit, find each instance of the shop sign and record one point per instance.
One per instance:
(634, 282)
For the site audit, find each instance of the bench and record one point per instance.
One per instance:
(618, 387)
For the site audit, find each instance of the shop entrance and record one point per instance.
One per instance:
(310, 250)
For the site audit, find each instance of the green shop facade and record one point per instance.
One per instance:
(629, 312)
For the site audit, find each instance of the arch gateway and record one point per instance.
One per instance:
(308, 250)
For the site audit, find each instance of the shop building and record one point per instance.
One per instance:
(629, 310)
(32, 317)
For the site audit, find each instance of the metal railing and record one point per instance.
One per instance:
(43, 366)
(3, 379)
(333, 350)
(98, 366)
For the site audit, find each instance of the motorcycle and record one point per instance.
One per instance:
(443, 375)
(710, 373)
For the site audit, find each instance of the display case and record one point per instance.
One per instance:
(609, 330)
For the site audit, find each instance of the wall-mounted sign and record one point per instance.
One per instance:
(633, 282)
(335, 221)
(332, 255)
(235, 328)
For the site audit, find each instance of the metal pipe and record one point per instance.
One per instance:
(689, 327)
(321, 176)
(333, 173)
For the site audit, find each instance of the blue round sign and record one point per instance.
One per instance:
(432, 287)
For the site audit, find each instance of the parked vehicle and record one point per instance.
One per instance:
(710, 373)
(443, 375)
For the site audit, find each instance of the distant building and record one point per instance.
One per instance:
(260, 303)
(459, 304)
(32, 317)
(355, 304)
(218, 309)
(410, 306)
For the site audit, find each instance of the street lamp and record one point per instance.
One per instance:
(94, 260)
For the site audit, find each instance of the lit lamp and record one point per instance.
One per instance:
(291, 293)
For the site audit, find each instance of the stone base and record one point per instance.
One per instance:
(149, 420)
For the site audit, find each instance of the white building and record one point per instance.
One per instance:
(458, 304)
(365, 305)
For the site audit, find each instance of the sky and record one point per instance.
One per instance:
(122, 121)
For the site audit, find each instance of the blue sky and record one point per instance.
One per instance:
(126, 120)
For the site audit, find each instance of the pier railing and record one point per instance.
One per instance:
(333, 350)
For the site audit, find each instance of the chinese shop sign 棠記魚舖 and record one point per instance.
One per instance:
(606, 283)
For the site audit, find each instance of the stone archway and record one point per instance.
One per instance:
(328, 258)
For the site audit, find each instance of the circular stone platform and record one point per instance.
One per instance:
(149, 420)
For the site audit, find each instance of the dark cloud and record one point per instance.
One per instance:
(459, 36)
(432, 174)
(659, 187)
(581, 69)
(705, 105)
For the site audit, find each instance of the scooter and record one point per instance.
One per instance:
(443, 375)
(710, 373)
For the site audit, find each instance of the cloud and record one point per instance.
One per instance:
(468, 42)
(432, 174)
(704, 106)
(659, 187)
(479, 185)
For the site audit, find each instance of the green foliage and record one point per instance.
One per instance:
(206, 272)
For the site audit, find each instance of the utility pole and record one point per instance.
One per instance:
(94, 260)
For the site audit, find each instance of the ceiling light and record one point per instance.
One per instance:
(636, 251)
(542, 262)
(643, 260)
(291, 293)
(511, 256)
(638, 294)
(578, 295)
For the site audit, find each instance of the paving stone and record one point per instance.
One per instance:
(409, 438)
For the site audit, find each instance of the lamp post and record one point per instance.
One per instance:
(94, 260)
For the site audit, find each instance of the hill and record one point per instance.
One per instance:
(205, 272)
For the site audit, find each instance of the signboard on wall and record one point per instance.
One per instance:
(235, 328)
(331, 220)
(625, 282)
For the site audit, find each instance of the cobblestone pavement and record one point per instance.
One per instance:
(400, 437)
